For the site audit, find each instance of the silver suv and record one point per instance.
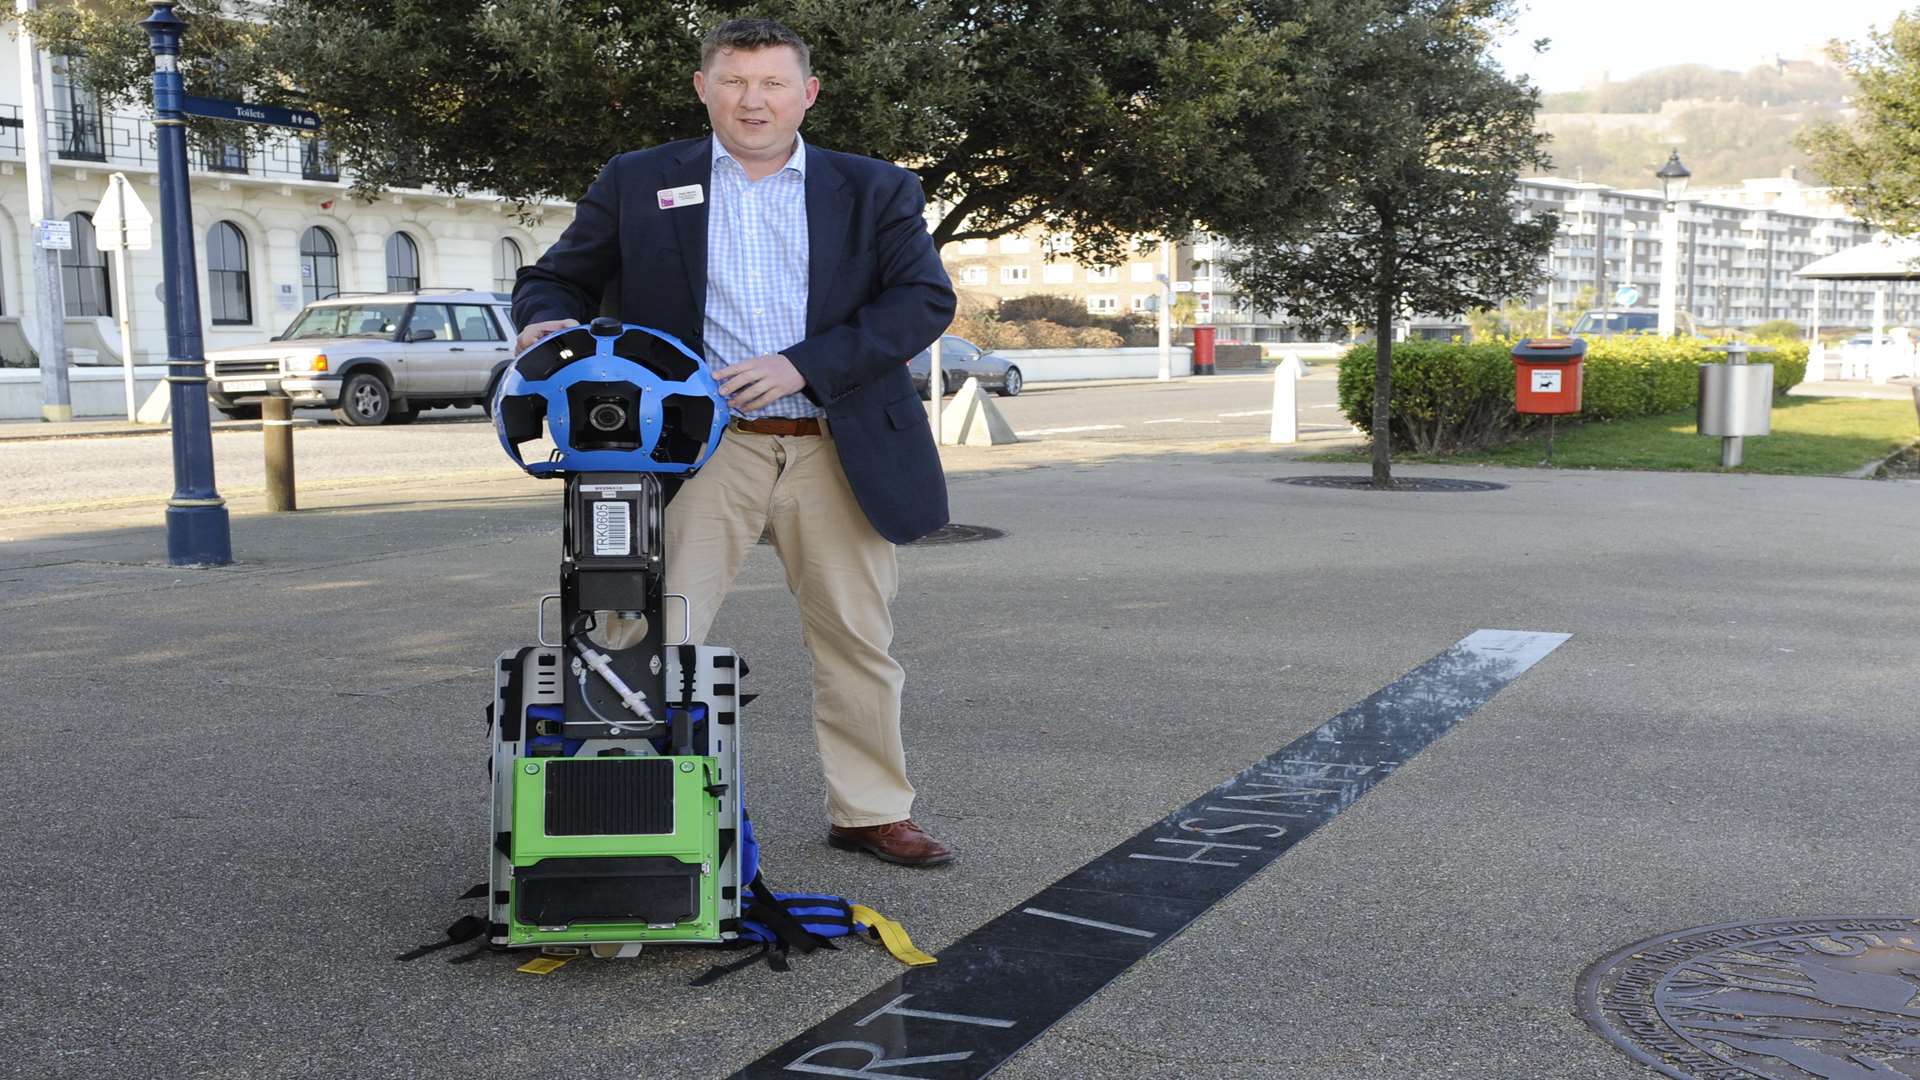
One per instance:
(373, 358)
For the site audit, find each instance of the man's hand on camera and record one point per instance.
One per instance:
(538, 330)
(759, 382)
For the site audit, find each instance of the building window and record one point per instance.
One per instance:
(319, 264)
(974, 246)
(229, 156)
(1142, 271)
(227, 279)
(316, 159)
(1140, 301)
(1015, 245)
(83, 273)
(1103, 273)
(973, 275)
(1103, 305)
(1057, 274)
(403, 263)
(79, 127)
(1013, 275)
(507, 261)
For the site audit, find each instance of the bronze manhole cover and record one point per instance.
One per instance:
(1792, 999)
(945, 534)
(1400, 483)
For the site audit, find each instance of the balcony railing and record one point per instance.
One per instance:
(121, 140)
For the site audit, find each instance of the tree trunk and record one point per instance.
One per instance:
(1383, 377)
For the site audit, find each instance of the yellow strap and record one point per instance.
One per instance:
(893, 936)
(544, 965)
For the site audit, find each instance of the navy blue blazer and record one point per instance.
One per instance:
(876, 295)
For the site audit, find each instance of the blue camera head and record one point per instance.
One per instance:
(613, 398)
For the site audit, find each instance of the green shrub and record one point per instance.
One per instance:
(1446, 397)
(1449, 397)
(1778, 330)
(1042, 334)
(1096, 337)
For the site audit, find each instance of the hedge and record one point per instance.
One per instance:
(1449, 397)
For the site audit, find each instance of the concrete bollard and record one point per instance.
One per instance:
(276, 421)
(1286, 401)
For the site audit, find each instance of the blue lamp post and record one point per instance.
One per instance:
(197, 533)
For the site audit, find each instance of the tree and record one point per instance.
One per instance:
(1875, 161)
(1419, 143)
(1103, 120)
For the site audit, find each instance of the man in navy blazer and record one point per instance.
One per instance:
(806, 278)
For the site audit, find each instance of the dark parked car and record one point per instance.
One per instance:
(961, 359)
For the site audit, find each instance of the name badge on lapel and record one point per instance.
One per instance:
(691, 195)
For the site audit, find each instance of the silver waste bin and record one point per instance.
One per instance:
(1736, 401)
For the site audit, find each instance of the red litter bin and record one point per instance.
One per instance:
(1203, 350)
(1547, 375)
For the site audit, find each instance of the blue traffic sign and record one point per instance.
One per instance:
(249, 114)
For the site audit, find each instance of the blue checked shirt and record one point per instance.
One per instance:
(757, 268)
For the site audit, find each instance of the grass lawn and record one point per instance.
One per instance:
(1811, 437)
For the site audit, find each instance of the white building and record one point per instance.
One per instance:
(1739, 247)
(272, 229)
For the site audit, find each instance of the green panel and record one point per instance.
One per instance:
(695, 840)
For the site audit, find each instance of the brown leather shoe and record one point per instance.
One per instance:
(901, 842)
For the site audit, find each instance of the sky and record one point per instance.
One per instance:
(1626, 37)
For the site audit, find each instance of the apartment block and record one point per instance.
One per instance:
(1738, 249)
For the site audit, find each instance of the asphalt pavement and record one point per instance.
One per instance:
(237, 794)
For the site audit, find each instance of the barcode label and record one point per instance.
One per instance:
(612, 528)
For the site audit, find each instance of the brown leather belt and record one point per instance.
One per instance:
(777, 425)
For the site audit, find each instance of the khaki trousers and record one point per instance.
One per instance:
(842, 574)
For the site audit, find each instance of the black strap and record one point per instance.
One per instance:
(475, 893)
(473, 954)
(765, 909)
(465, 928)
(720, 971)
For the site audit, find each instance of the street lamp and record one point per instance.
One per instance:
(1673, 183)
(1673, 178)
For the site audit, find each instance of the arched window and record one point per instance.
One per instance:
(507, 261)
(403, 263)
(83, 272)
(319, 264)
(227, 279)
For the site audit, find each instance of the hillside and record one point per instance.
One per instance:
(1727, 125)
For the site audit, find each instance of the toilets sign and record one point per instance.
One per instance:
(271, 115)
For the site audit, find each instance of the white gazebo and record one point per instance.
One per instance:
(1878, 261)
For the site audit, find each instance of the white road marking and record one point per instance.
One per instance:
(1253, 412)
(1179, 420)
(1095, 923)
(1068, 430)
(1323, 406)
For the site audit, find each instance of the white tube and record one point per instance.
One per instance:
(635, 702)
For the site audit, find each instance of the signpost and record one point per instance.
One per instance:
(50, 308)
(272, 115)
(53, 235)
(197, 532)
(121, 224)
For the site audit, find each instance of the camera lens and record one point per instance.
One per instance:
(607, 416)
